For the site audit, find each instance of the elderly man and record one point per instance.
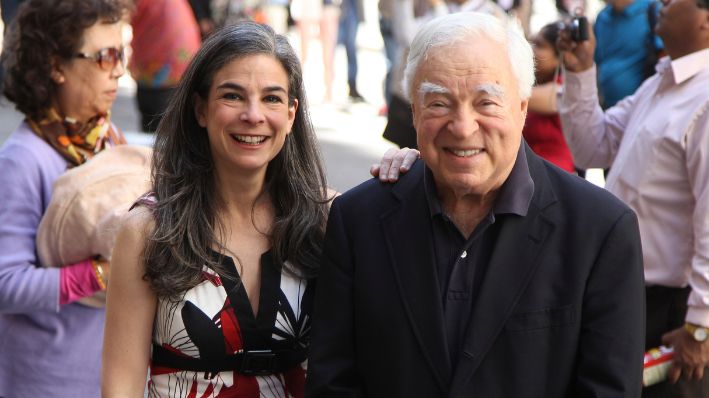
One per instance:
(658, 143)
(485, 271)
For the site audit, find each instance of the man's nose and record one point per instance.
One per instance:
(464, 123)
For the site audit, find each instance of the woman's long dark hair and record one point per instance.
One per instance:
(186, 222)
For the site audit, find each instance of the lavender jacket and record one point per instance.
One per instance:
(45, 350)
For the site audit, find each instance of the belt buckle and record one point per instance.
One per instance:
(257, 363)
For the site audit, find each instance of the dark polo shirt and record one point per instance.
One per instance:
(461, 260)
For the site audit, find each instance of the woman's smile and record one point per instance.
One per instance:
(251, 140)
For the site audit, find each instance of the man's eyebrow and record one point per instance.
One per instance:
(491, 89)
(432, 88)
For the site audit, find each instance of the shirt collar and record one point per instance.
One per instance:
(514, 196)
(686, 67)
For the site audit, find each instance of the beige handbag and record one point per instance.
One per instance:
(87, 207)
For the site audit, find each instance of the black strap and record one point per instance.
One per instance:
(250, 363)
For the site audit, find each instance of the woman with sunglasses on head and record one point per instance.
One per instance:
(62, 59)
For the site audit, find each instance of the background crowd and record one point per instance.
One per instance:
(611, 102)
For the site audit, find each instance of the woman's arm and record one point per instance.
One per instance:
(130, 311)
(543, 99)
(26, 283)
(25, 287)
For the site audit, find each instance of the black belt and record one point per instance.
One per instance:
(250, 363)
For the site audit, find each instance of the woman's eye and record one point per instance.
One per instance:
(274, 99)
(231, 96)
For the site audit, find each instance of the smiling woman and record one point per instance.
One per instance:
(63, 59)
(247, 113)
(214, 268)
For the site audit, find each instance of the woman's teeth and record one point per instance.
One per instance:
(249, 139)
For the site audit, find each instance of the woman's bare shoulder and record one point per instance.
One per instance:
(137, 224)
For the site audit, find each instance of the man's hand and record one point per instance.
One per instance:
(577, 56)
(393, 162)
(691, 356)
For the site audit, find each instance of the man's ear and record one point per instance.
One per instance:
(524, 107)
(57, 75)
(199, 111)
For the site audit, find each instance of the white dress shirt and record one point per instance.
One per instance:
(657, 141)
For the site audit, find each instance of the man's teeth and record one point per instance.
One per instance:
(466, 153)
(249, 139)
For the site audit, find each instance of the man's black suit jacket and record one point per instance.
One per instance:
(560, 312)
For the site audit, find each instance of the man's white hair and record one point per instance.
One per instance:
(469, 26)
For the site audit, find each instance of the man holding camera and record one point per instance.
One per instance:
(657, 141)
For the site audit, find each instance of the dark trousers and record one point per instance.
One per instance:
(152, 103)
(8, 8)
(400, 123)
(347, 35)
(391, 48)
(666, 309)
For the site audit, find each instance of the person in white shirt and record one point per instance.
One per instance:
(657, 141)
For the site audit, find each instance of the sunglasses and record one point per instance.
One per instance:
(106, 58)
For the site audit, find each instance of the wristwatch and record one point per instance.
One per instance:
(699, 333)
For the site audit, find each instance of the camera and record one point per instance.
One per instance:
(577, 28)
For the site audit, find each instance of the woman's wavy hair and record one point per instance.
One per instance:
(186, 222)
(46, 31)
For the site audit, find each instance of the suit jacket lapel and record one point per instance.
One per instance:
(407, 232)
(514, 260)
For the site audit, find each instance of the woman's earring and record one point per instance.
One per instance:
(57, 77)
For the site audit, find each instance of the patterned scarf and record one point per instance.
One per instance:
(75, 141)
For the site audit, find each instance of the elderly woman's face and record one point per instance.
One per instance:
(87, 87)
